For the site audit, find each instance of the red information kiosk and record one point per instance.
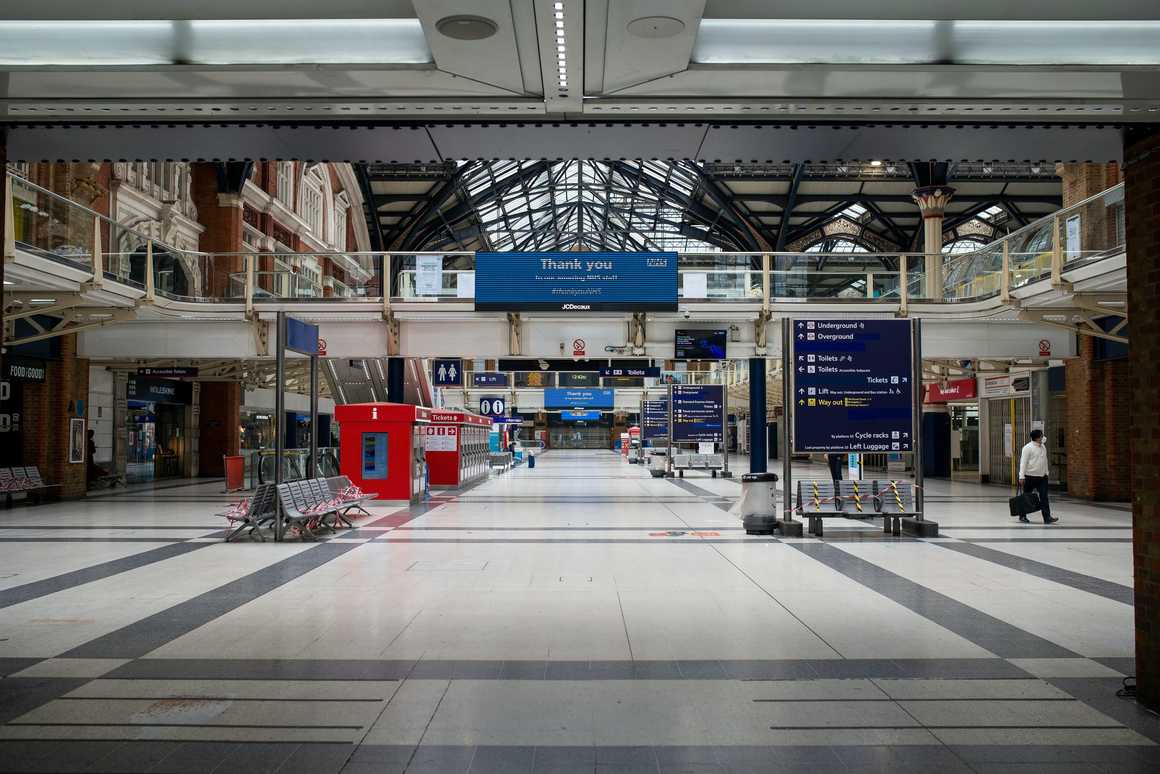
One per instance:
(457, 451)
(381, 447)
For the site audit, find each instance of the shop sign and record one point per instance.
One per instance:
(1005, 385)
(955, 389)
(146, 388)
(24, 369)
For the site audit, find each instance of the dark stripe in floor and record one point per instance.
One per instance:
(68, 580)
(90, 539)
(986, 631)
(1075, 580)
(437, 669)
(20, 695)
(659, 540)
(150, 633)
(653, 528)
(94, 526)
(715, 499)
(1060, 539)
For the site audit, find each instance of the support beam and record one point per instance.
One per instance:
(758, 453)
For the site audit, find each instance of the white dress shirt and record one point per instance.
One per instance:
(1033, 460)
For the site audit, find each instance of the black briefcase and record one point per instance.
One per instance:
(1024, 503)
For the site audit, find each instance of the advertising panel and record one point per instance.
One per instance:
(576, 282)
(852, 386)
(579, 398)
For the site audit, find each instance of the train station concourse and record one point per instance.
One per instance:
(569, 386)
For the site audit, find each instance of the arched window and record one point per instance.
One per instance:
(962, 245)
(341, 204)
(311, 209)
(285, 182)
(835, 245)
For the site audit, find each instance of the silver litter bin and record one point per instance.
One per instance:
(657, 462)
(759, 503)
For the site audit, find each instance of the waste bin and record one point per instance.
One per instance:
(759, 503)
(531, 459)
(657, 462)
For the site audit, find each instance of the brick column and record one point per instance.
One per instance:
(48, 409)
(221, 214)
(1142, 210)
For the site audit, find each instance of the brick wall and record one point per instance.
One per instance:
(220, 421)
(48, 409)
(1099, 449)
(1142, 204)
(222, 218)
(1098, 404)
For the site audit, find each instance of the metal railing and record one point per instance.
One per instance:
(46, 223)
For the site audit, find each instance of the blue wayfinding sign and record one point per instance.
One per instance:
(489, 379)
(576, 282)
(651, 371)
(579, 398)
(698, 413)
(852, 386)
(580, 416)
(654, 419)
(301, 337)
(447, 373)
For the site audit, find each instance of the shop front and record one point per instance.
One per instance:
(960, 399)
(158, 415)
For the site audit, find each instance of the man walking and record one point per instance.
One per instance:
(1033, 474)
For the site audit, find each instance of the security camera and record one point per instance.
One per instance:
(687, 314)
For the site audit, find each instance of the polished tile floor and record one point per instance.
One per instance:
(578, 617)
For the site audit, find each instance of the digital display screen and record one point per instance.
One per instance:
(701, 344)
(374, 456)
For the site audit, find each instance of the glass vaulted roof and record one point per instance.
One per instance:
(582, 204)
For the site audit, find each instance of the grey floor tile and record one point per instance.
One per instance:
(132, 757)
(669, 755)
(195, 757)
(611, 670)
(1035, 768)
(932, 755)
(567, 670)
(960, 668)
(54, 756)
(634, 755)
(523, 670)
(20, 695)
(656, 670)
(439, 758)
(10, 666)
(626, 768)
(983, 754)
(548, 757)
(476, 670)
(382, 753)
(258, 757)
(769, 670)
(502, 760)
(317, 759)
(750, 755)
(694, 768)
(373, 768)
(702, 670)
(856, 667)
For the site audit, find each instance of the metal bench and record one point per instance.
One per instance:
(893, 500)
(23, 480)
(339, 484)
(261, 509)
(295, 509)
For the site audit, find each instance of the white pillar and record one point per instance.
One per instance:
(932, 201)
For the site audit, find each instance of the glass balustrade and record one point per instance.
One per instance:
(53, 226)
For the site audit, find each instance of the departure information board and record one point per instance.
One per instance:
(852, 386)
(654, 419)
(698, 413)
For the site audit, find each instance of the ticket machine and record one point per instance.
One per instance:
(382, 448)
(457, 452)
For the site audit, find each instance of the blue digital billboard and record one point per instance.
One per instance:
(578, 398)
(852, 386)
(698, 413)
(576, 282)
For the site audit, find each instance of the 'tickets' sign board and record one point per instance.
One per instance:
(852, 386)
(576, 282)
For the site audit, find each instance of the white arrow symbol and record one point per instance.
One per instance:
(800, 337)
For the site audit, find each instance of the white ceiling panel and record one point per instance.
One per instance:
(494, 60)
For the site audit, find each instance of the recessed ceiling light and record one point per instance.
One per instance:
(466, 27)
(561, 49)
(558, 6)
(875, 163)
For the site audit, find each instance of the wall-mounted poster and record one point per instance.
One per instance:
(76, 440)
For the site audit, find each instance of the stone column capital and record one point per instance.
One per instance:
(932, 199)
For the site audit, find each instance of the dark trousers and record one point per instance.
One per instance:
(1038, 484)
(835, 463)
